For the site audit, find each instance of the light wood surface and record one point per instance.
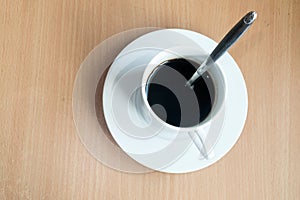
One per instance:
(42, 44)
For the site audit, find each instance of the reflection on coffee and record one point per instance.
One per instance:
(174, 103)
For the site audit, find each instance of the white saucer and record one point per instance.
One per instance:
(189, 160)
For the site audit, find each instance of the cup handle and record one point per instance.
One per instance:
(198, 141)
(137, 109)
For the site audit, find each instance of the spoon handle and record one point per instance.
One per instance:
(233, 35)
(230, 38)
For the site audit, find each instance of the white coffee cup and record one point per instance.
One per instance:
(204, 134)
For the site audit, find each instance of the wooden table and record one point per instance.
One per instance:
(42, 44)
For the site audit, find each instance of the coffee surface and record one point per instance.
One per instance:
(175, 103)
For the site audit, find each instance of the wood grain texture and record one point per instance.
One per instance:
(42, 44)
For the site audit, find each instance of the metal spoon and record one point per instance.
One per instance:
(230, 38)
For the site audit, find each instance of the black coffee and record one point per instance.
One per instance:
(175, 103)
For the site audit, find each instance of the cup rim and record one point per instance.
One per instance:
(205, 122)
